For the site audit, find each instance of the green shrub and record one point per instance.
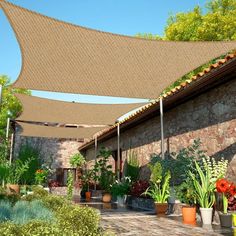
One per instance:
(23, 212)
(78, 220)
(54, 202)
(5, 211)
(10, 229)
(132, 167)
(38, 193)
(29, 154)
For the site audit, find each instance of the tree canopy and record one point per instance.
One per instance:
(216, 22)
(10, 106)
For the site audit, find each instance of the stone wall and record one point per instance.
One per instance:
(210, 117)
(59, 150)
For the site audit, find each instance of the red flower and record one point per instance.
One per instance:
(222, 186)
(232, 189)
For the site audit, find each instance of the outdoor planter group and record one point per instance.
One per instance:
(201, 184)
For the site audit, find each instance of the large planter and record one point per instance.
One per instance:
(189, 214)
(161, 208)
(13, 188)
(106, 197)
(146, 204)
(206, 214)
(225, 220)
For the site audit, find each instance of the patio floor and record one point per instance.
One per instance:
(129, 222)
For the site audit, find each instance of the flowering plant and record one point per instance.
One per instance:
(228, 191)
(41, 176)
(121, 188)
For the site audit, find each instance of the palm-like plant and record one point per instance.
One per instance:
(204, 186)
(159, 191)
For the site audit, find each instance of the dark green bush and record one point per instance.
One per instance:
(31, 154)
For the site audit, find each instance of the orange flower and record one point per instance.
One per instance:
(222, 186)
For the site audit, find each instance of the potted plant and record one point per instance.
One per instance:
(14, 174)
(76, 161)
(41, 176)
(159, 190)
(227, 190)
(204, 188)
(120, 189)
(186, 194)
(86, 178)
(102, 172)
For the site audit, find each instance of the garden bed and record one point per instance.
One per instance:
(140, 203)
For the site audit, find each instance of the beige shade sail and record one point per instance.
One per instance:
(34, 130)
(46, 110)
(58, 56)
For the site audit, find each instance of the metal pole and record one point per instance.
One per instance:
(118, 152)
(11, 148)
(162, 129)
(95, 153)
(7, 129)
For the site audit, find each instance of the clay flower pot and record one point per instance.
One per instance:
(13, 188)
(189, 214)
(106, 197)
(161, 208)
(88, 195)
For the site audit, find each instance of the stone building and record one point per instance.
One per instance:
(204, 107)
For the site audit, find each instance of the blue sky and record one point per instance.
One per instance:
(126, 17)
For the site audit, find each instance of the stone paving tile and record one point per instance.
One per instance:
(135, 224)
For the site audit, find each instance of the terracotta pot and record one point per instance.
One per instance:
(189, 214)
(13, 188)
(87, 195)
(106, 197)
(225, 220)
(161, 208)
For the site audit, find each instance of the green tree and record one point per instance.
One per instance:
(216, 22)
(10, 106)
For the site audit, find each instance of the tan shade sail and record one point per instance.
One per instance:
(46, 110)
(34, 130)
(62, 57)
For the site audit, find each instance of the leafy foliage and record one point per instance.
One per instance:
(23, 212)
(185, 192)
(69, 219)
(10, 106)
(159, 190)
(132, 167)
(102, 171)
(139, 187)
(77, 160)
(204, 187)
(70, 185)
(30, 155)
(181, 162)
(121, 188)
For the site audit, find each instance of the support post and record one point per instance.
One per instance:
(118, 152)
(162, 129)
(95, 155)
(7, 129)
(11, 148)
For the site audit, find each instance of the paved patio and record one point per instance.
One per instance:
(128, 222)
